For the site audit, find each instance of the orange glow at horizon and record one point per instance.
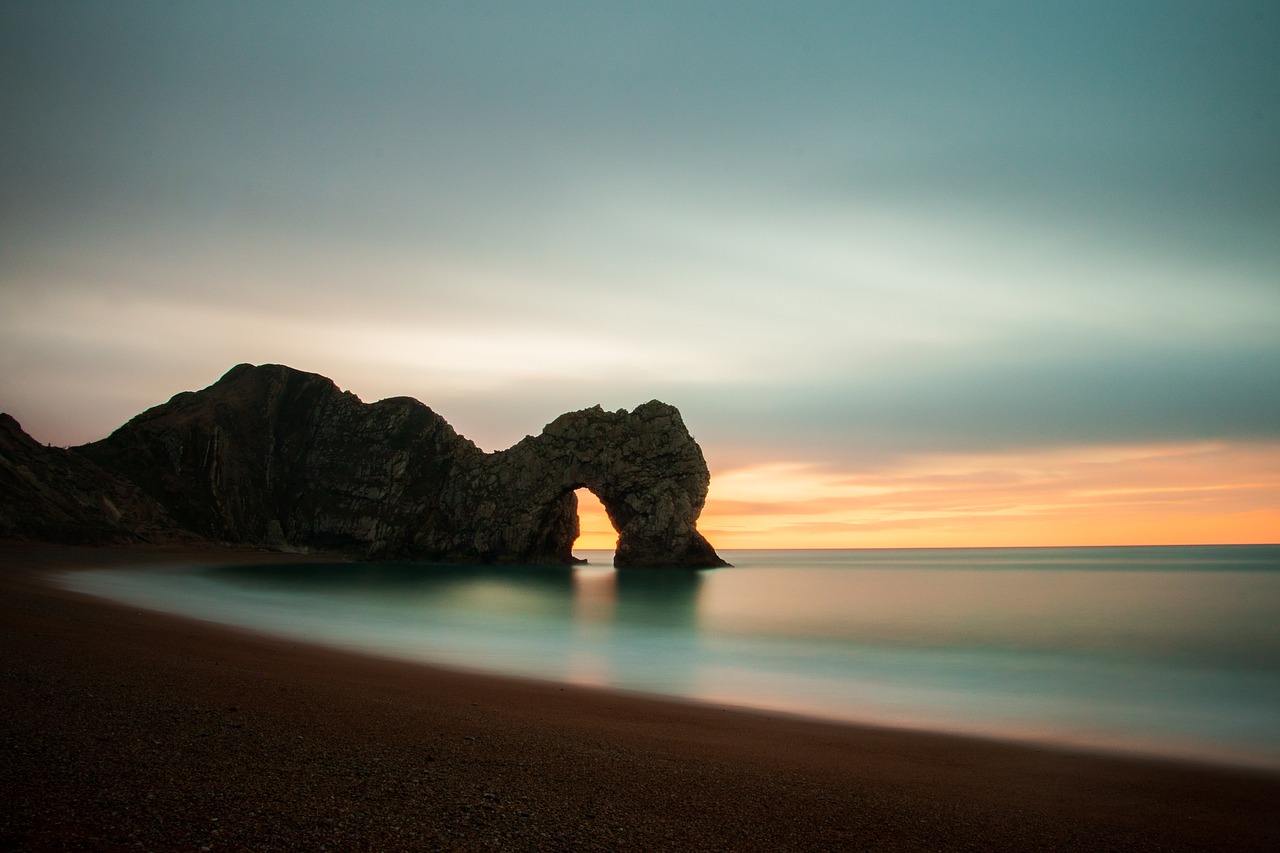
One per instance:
(1177, 494)
(595, 530)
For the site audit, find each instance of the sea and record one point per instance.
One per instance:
(1167, 651)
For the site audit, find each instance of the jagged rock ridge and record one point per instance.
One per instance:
(272, 456)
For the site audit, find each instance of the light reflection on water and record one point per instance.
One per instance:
(1169, 650)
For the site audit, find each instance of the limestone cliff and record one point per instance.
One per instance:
(53, 494)
(276, 457)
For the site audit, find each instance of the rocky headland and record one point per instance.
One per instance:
(273, 457)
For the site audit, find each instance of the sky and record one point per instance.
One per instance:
(915, 273)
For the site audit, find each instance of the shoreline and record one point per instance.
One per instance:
(1030, 735)
(1135, 742)
(130, 729)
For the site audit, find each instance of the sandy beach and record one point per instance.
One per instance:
(125, 729)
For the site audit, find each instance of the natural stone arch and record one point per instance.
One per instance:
(643, 465)
(275, 457)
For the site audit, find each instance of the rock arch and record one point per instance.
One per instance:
(643, 465)
(275, 457)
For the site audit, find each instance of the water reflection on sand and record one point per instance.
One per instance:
(1173, 650)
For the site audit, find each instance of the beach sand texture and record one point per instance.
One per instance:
(126, 730)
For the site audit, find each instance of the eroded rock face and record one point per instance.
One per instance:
(643, 465)
(273, 456)
(53, 494)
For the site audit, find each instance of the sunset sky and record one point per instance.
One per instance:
(916, 274)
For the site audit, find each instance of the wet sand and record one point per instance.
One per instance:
(129, 730)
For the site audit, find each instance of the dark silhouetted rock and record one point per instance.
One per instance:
(643, 465)
(276, 457)
(52, 494)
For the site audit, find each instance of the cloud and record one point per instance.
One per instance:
(842, 237)
(1173, 493)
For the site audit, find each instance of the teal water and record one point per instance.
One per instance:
(1166, 650)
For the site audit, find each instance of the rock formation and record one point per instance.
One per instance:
(279, 458)
(53, 494)
(643, 465)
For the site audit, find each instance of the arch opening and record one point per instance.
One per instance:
(595, 530)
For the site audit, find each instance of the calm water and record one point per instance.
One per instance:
(1172, 650)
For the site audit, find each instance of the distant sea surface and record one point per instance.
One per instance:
(1172, 651)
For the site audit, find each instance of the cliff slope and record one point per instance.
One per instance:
(48, 493)
(272, 456)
